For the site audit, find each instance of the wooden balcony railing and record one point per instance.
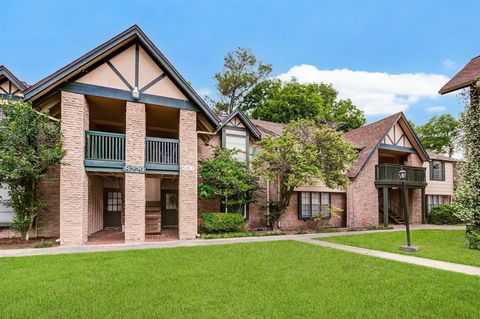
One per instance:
(161, 154)
(387, 175)
(105, 151)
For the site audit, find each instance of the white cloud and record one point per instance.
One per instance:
(449, 64)
(436, 109)
(376, 93)
(204, 91)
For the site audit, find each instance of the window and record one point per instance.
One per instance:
(434, 200)
(437, 171)
(237, 140)
(6, 211)
(313, 204)
(114, 202)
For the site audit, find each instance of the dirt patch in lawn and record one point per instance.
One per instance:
(17, 243)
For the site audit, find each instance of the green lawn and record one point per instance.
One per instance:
(446, 245)
(259, 280)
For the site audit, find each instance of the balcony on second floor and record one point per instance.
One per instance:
(105, 151)
(386, 175)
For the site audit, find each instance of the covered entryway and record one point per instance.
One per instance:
(112, 208)
(169, 208)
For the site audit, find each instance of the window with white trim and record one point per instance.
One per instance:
(6, 211)
(313, 204)
(238, 142)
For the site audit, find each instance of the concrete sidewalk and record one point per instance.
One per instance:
(443, 265)
(192, 243)
(305, 238)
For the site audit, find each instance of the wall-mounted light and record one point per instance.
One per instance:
(135, 93)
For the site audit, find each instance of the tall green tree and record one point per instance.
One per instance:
(277, 101)
(226, 179)
(241, 72)
(467, 192)
(305, 154)
(440, 134)
(30, 145)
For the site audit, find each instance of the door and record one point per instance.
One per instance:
(112, 208)
(169, 208)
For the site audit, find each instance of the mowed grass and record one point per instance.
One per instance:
(283, 279)
(446, 245)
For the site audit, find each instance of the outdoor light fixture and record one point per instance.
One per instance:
(135, 93)
(402, 174)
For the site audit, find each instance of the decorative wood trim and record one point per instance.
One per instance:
(153, 82)
(137, 71)
(396, 148)
(111, 93)
(120, 76)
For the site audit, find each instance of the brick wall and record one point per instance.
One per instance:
(48, 221)
(362, 197)
(73, 179)
(135, 183)
(188, 177)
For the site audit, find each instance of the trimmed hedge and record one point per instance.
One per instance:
(222, 222)
(443, 215)
(473, 237)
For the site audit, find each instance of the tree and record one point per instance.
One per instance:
(30, 145)
(440, 134)
(467, 199)
(305, 154)
(241, 72)
(277, 101)
(227, 180)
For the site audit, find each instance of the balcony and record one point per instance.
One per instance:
(105, 152)
(386, 175)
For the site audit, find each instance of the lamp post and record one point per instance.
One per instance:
(409, 247)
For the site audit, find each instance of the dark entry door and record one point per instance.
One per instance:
(169, 208)
(112, 207)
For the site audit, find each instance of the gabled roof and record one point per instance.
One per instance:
(244, 119)
(468, 75)
(132, 34)
(268, 128)
(441, 157)
(368, 138)
(4, 72)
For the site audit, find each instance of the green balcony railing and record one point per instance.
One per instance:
(161, 154)
(387, 175)
(104, 150)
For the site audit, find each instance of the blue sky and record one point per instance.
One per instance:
(384, 55)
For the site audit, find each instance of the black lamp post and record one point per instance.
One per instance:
(403, 176)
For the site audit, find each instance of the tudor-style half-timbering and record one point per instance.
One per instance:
(10, 85)
(134, 145)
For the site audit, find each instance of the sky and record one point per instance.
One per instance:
(386, 56)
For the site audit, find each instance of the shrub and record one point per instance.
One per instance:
(244, 233)
(44, 244)
(443, 215)
(222, 222)
(473, 237)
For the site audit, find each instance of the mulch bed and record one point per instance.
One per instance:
(16, 243)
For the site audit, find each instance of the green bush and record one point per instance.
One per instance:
(222, 222)
(443, 215)
(244, 233)
(473, 237)
(44, 244)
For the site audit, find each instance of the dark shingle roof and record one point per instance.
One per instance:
(468, 75)
(440, 157)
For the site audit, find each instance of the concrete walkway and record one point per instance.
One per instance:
(443, 265)
(305, 238)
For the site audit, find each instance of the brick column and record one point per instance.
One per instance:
(135, 182)
(73, 179)
(187, 183)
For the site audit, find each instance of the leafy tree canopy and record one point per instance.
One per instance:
(440, 134)
(30, 145)
(277, 101)
(227, 180)
(241, 72)
(305, 154)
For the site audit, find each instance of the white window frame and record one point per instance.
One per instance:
(313, 204)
